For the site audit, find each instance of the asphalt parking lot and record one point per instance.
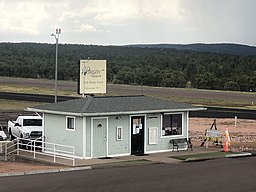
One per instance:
(229, 175)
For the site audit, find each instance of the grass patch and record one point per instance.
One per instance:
(48, 89)
(10, 104)
(204, 155)
(19, 89)
(214, 103)
(124, 163)
(35, 90)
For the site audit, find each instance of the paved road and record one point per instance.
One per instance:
(227, 175)
(130, 90)
(136, 90)
(211, 112)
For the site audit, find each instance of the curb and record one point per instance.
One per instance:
(12, 174)
(253, 152)
(128, 163)
(238, 155)
(45, 171)
(41, 171)
(244, 154)
(199, 159)
(75, 169)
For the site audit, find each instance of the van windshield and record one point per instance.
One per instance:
(32, 122)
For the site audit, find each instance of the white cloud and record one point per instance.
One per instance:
(21, 17)
(86, 28)
(128, 21)
(117, 11)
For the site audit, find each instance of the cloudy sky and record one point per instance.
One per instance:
(119, 22)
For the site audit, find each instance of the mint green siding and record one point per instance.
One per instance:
(88, 138)
(163, 142)
(55, 132)
(84, 137)
(117, 147)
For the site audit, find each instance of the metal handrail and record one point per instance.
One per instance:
(6, 147)
(57, 150)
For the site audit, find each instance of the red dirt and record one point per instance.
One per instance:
(243, 135)
(14, 167)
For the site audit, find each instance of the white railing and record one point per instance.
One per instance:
(41, 150)
(9, 149)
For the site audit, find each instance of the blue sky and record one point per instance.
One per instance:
(119, 22)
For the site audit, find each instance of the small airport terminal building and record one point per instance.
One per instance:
(116, 125)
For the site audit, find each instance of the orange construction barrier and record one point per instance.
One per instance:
(227, 141)
(225, 148)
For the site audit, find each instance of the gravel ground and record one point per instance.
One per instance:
(243, 134)
(14, 167)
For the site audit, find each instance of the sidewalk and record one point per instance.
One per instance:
(165, 157)
(132, 160)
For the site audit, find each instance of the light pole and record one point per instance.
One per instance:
(56, 36)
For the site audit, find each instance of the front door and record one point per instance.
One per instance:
(137, 138)
(99, 137)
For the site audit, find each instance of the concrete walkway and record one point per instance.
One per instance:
(165, 157)
(131, 160)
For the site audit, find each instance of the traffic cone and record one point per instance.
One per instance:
(225, 148)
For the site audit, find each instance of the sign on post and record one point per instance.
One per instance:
(212, 133)
(92, 76)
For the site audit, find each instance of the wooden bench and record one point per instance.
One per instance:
(183, 142)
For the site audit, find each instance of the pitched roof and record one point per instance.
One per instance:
(114, 105)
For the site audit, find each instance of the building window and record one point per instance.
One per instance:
(172, 124)
(70, 123)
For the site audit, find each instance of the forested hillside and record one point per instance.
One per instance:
(225, 48)
(129, 65)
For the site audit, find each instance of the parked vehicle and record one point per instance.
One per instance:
(3, 136)
(26, 127)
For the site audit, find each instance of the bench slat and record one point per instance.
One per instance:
(182, 141)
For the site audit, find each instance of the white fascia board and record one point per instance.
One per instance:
(143, 112)
(53, 112)
(115, 113)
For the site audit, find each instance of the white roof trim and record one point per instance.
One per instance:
(115, 113)
(53, 112)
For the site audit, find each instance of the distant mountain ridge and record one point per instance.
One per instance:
(223, 48)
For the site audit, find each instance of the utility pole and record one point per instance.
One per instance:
(56, 36)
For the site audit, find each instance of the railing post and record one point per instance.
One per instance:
(54, 153)
(18, 146)
(34, 149)
(73, 156)
(56, 148)
(5, 157)
(31, 149)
